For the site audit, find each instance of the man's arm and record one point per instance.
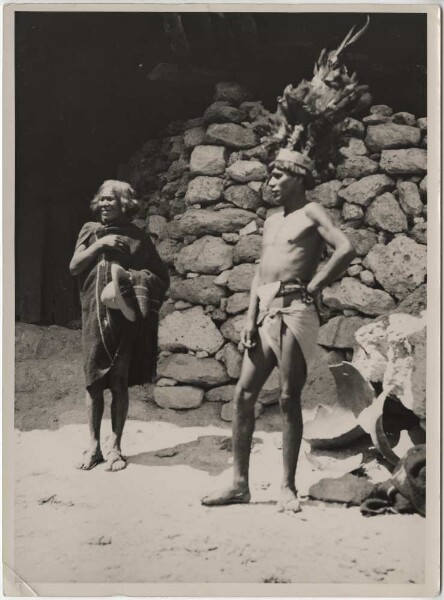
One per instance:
(343, 249)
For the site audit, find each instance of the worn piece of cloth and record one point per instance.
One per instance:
(107, 336)
(300, 317)
(405, 491)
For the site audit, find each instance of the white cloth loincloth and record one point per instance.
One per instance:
(300, 318)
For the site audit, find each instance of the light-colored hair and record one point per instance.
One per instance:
(124, 194)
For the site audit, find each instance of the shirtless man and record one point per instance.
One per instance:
(282, 323)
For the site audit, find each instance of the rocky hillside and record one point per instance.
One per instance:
(204, 202)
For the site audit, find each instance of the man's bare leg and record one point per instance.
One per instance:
(292, 377)
(256, 367)
(94, 410)
(115, 461)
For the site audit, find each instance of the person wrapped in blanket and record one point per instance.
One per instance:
(282, 322)
(123, 282)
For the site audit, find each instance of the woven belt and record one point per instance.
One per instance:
(296, 288)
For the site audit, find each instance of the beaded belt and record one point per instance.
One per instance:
(295, 287)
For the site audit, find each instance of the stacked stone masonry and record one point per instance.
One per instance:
(204, 200)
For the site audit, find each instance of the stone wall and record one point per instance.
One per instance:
(204, 202)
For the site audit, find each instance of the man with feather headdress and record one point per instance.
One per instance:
(282, 322)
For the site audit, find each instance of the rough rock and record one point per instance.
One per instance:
(350, 127)
(352, 212)
(248, 249)
(182, 305)
(367, 278)
(248, 229)
(419, 233)
(357, 166)
(412, 161)
(326, 194)
(243, 197)
(423, 188)
(220, 113)
(166, 382)
(241, 277)
(194, 137)
(223, 393)
(209, 255)
(362, 192)
(399, 267)
(202, 222)
(339, 332)
(231, 136)
(178, 397)
(204, 190)
(375, 119)
(354, 270)
(414, 303)
(247, 170)
(231, 238)
(227, 411)
(422, 124)
(232, 328)
(222, 279)
(185, 368)
(355, 147)
(409, 198)
(381, 109)
(201, 290)
(391, 135)
(386, 214)
(404, 118)
(238, 302)
(189, 330)
(363, 240)
(208, 160)
(232, 92)
(157, 227)
(348, 489)
(168, 250)
(350, 293)
(233, 360)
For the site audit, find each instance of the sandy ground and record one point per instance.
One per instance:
(145, 524)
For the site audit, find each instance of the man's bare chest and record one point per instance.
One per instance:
(293, 230)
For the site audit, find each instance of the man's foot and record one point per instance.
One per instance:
(239, 494)
(91, 458)
(288, 501)
(115, 461)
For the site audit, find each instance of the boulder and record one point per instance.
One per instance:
(208, 222)
(352, 212)
(243, 197)
(189, 330)
(409, 198)
(208, 160)
(185, 368)
(355, 147)
(233, 360)
(363, 240)
(419, 233)
(223, 393)
(399, 267)
(339, 332)
(222, 113)
(404, 118)
(356, 166)
(204, 190)
(231, 136)
(247, 170)
(238, 302)
(227, 411)
(391, 135)
(168, 249)
(248, 249)
(232, 328)
(415, 302)
(326, 194)
(365, 190)
(348, 489)
(232, 92)
(350, 293)
(386, 214)
(241, 277)
(208, 254)
(201, 290)
(179, 397)
(194, 137)
(412, 161)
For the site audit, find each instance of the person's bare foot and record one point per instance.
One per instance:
(91, 458)
(234, 494)
(288, 501)
(115, 461)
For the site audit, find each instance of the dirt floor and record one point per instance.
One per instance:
(145, 524)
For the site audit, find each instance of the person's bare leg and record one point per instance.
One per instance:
(119, 412)
(292, 376)
(94, 410)
(256, 367)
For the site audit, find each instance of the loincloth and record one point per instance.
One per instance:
(300, 317)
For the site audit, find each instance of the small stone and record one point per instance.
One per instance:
(419, 233)
(194, 137)
(350, 127)
(381, 109)
(182, 305)
(375, 120)
(248, 229)
(231, 136)
(355, 147)
(356, 166)
(411, 161)
(255, 185)
(352, 212)
(409, 198)
(423, 188)
(208, 160)
(350, 312)
(234, 156)
(166, 382)
(367, 278)
(385, 213)
(247, 170)
(238, 302)
(204, 190)
(178, 397)
(354, 270)
(230, 238)
(217, 113)
(262, 212)
(222, 279)
(422, 124)
(404, 118)
(219, 315)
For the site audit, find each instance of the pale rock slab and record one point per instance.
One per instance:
(189, 330)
